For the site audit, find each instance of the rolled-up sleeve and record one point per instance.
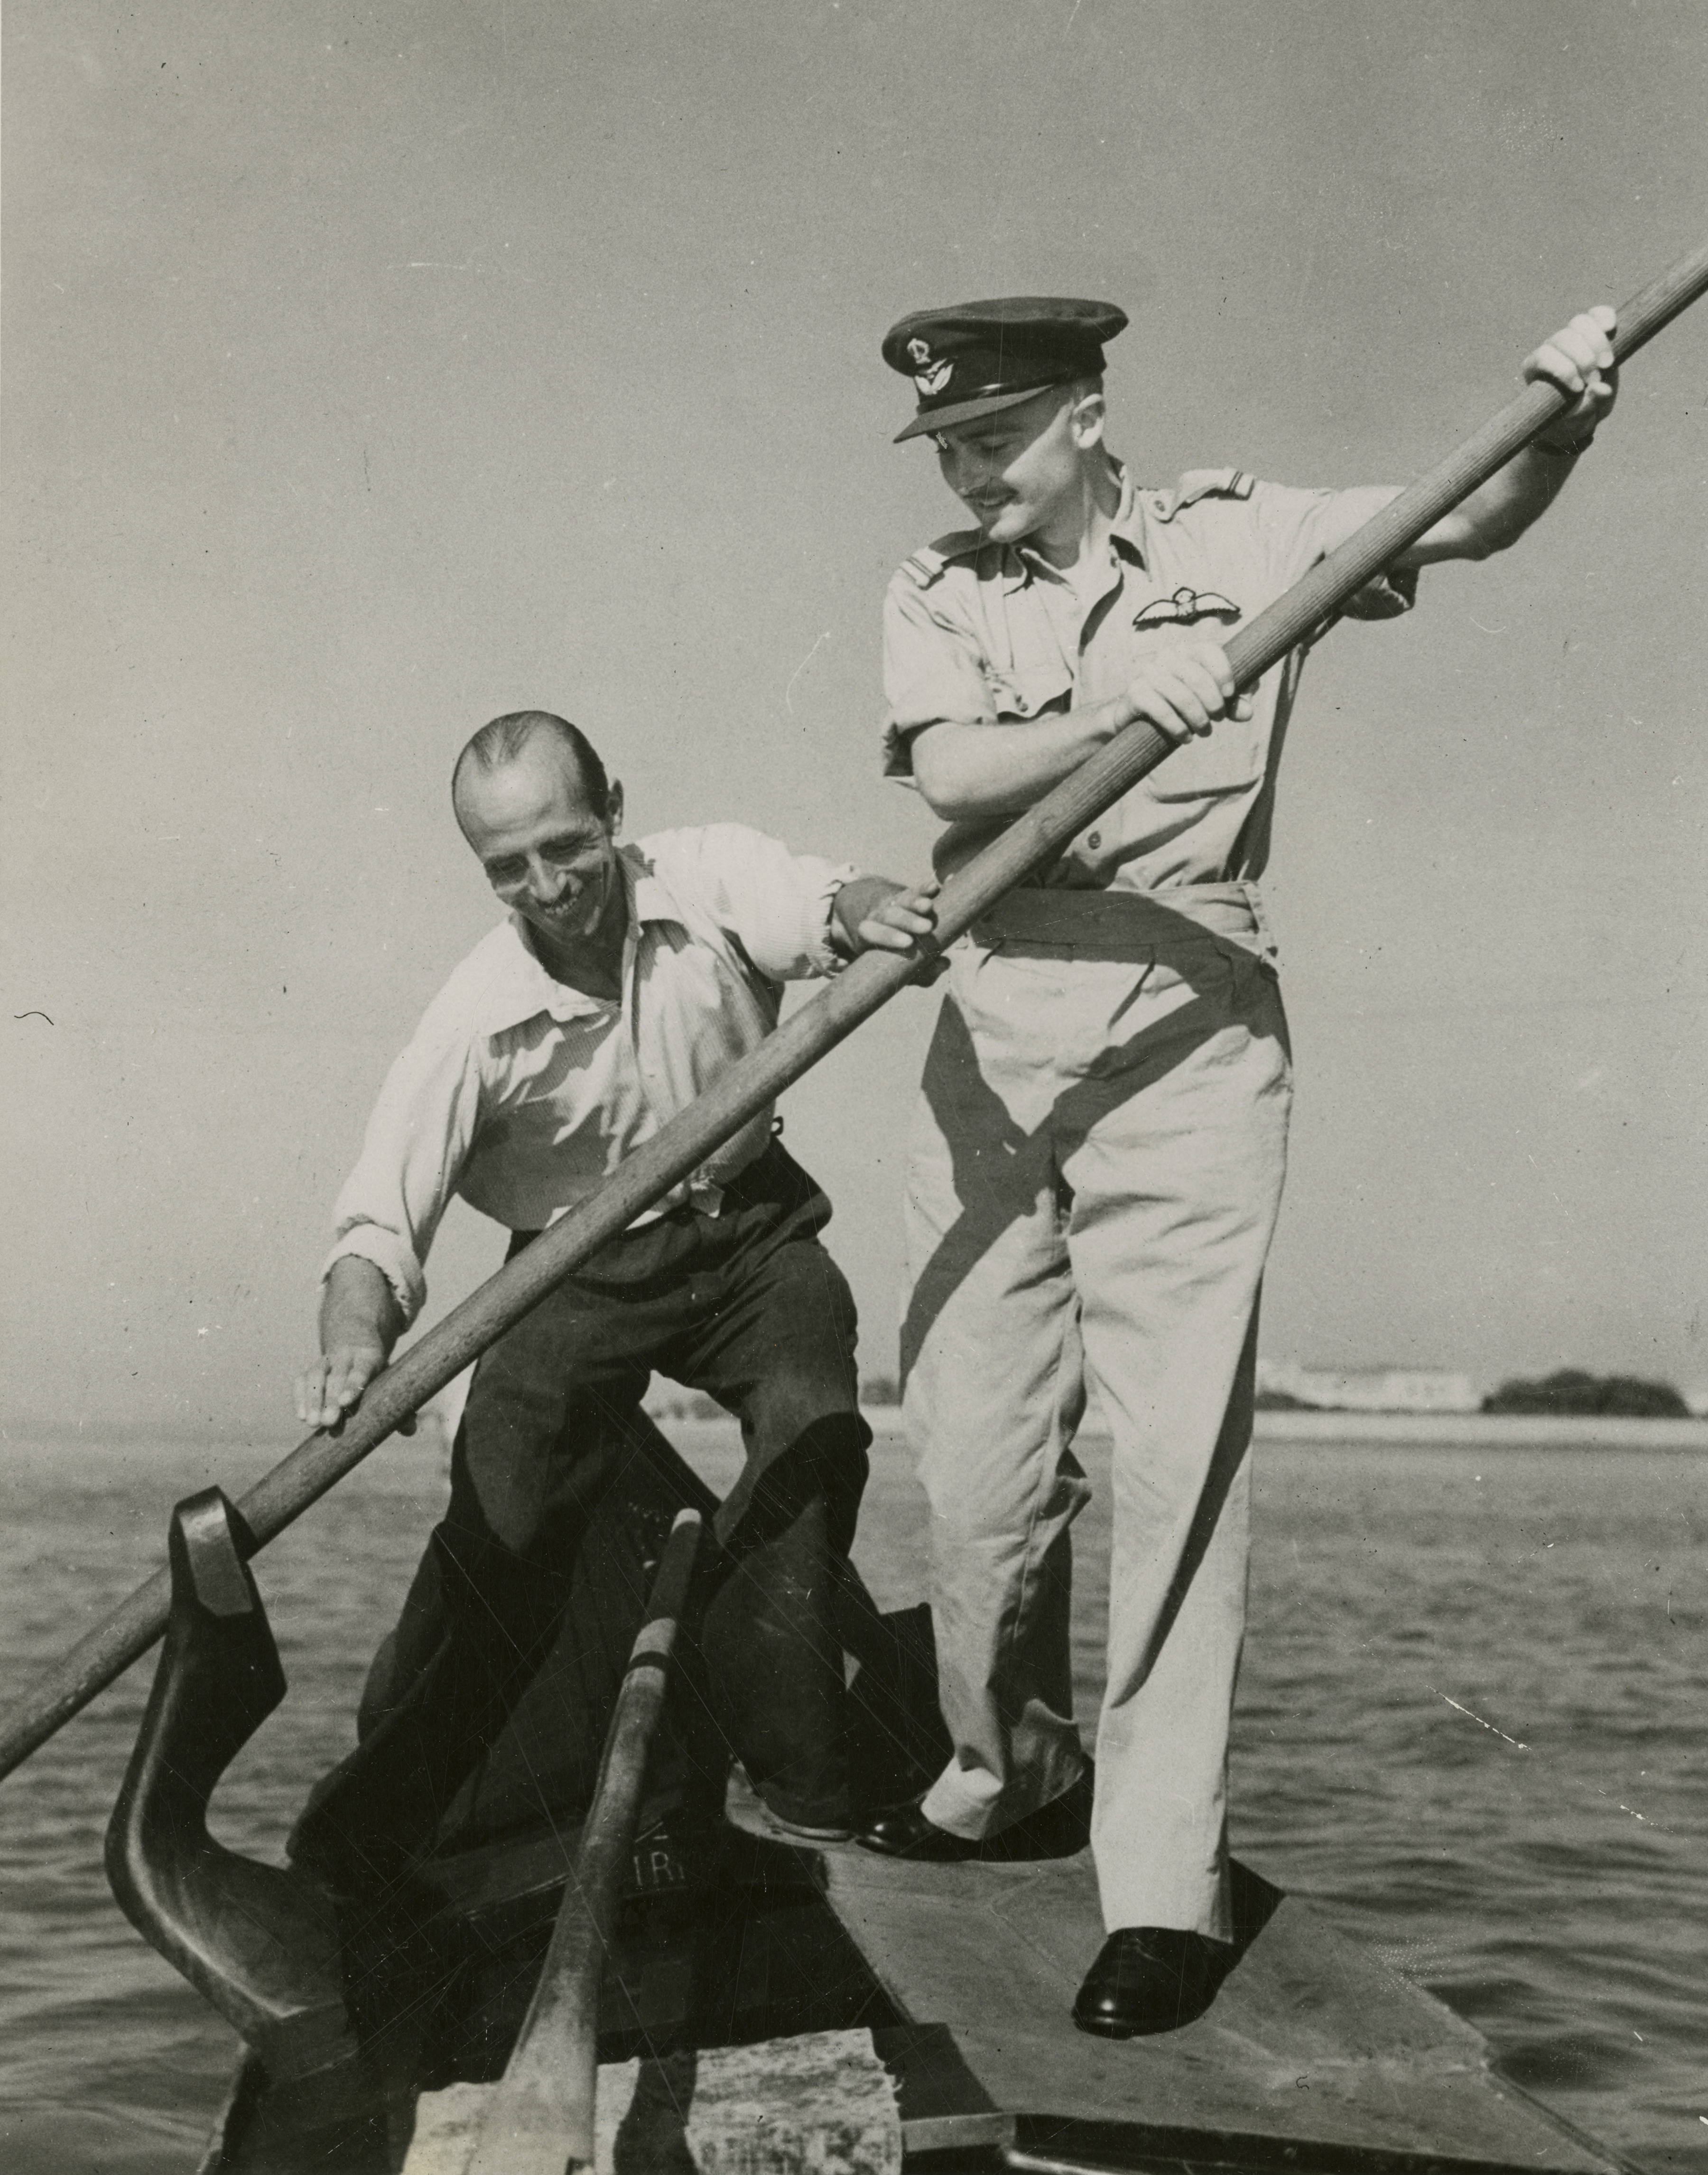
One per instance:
(933, 672)
(779, 903)
(417, 1141)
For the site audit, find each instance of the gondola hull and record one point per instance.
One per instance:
(926, 2005)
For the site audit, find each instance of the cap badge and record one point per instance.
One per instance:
(1184, 606)
(930, 376)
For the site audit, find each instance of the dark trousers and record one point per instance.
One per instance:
(745, 1305)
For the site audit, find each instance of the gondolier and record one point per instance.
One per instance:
(625, 980)
(1096, 1160)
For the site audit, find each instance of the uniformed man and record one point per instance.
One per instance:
(1096, 1160)
(623, 982)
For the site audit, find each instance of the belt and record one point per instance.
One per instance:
(1120, 918)
(706, 1198)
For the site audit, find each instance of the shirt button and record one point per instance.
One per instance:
(1095, 840)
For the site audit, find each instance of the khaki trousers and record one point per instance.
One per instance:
(1095, 1171)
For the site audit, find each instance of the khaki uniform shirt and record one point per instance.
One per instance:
(988, 634)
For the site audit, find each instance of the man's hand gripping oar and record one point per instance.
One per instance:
(810, 1033)
(1186, 688)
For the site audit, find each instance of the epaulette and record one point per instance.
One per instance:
(1196, 483)
(929, 561)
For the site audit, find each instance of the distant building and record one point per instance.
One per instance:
(1365, 1389)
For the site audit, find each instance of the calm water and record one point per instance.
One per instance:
(1471, 1727)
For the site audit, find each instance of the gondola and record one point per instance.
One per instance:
(753, 2001)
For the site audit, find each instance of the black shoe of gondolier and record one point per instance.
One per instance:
(903, 1832)
(1060, 1829)
(1150, 1978)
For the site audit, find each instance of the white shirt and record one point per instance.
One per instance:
(522, 1093)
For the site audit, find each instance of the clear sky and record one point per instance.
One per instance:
(371, 369)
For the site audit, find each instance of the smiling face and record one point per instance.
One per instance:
(549, 853)
(1028, 472)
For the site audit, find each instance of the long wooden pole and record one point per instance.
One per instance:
(539, 2118)
(810, 1032)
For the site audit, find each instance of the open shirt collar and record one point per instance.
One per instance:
(523, 988)
(1126, 536)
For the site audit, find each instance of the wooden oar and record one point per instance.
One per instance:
(679, 1147)
(539, 2118)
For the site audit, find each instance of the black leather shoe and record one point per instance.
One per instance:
(1150, 1978)
(903, 1832)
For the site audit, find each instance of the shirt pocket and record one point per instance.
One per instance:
(1021, 691)
(1230, 758)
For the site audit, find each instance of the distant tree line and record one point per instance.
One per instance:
(1569, 1391)
(1624, 1396)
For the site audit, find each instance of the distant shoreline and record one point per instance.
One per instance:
(1448, 1430)
(1489, 1430)
(1327, 1430)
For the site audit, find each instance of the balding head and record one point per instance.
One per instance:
(534, 804)
(505, 738)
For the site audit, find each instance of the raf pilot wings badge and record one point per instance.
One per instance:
(1184, 607)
